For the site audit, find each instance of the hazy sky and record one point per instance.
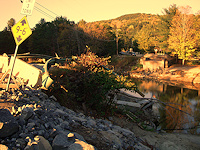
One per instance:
(89, 10)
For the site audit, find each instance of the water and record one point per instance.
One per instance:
(179, 109)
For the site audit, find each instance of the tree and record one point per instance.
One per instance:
(10, 23)
(165, 24)
(197, 27)
(182, 38)
(44, 40)
(145, 38)
(7, 42)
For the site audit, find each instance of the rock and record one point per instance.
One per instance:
(39, 143)
(78, 136)
(170, 145)
(78, 119)
(34, 98)
(8, 124)
(91, 122)
(27, 113)
(111, 138)
(127, 132)
(3, 147)
(47, 122)
(59, 112)
(61, 142)
(21, 143)
(65, 125)
(140, 146)
(53, 98)
(80, 145)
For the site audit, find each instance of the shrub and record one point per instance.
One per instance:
(87, 82)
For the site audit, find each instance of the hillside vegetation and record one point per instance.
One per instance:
(175, 32)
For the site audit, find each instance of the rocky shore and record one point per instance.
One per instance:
(185, 76)
(30, 120)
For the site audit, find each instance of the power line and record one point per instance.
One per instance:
(50, 16)
(46, 9)
(43, 12)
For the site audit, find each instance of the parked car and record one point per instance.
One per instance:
(127, 53)
(132, 53)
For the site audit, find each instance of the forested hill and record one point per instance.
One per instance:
(142, 32)
(138, 30)
(133, 16)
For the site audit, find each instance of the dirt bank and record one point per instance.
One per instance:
(184, 76)
(188, 76)
(163, 141)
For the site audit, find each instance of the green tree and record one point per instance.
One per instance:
(44, 39)
(197, 28)
(145, 38)
(164, 25)
(182, 38)
(68, 42)
(7, 42)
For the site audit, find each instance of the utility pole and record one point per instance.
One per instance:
(78, 41)
(117, 41)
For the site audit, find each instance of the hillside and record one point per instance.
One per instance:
(133, 16)
(139, 31)
(131, 19)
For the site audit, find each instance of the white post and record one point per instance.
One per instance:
(16, 49)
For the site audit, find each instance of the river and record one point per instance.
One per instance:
(178, 109)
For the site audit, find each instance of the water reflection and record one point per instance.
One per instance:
(180, 107)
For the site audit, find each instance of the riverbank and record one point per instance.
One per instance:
(41, 121)
(185, 76)
(30, 119)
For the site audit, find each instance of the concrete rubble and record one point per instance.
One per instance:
(37, 121)
(23, 74)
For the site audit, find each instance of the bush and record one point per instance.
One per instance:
(88, 83)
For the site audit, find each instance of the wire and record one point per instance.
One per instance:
(46, 9)
(50, 16)
(43, 12)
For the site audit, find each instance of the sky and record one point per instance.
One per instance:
(88, 10)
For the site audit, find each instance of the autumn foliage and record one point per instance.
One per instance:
(172, 32)
(182, 39)
(85, 82)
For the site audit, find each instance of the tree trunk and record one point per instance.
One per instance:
(183, 62)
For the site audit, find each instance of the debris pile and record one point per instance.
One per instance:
(36, 121)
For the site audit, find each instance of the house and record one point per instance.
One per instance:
(155, 61)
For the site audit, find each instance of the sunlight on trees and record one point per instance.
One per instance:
(175, 32)
(182, 38)
(164, 26)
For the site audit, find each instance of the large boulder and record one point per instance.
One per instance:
(8, 124)
(39, 143)
(70, 141)
(3, 147)
(61, 141)
(81, 145)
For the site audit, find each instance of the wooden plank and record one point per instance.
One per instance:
(3, 86)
